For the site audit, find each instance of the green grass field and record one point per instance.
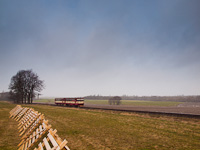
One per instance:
(124, 102)
(98, 129)
(45, 100)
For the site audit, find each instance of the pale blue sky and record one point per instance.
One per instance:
(107, 47)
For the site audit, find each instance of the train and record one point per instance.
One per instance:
(74, 102)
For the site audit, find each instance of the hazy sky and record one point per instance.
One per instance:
(106, 47)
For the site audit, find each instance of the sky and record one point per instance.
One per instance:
(103, 47)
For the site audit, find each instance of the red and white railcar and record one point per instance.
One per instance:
(76, 101)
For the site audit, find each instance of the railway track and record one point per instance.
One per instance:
(186, 115)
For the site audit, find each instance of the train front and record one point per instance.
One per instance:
(79, 102)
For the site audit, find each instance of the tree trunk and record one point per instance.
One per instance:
(29, 97)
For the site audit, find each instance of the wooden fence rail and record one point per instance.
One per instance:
(14, 112)
(36, 123)
(27, 121)
(52, 139)
(21, 114)
(34, 129)
(35, 136)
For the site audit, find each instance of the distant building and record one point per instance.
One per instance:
(4, 96)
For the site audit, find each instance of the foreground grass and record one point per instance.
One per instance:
(96, 129)
(89, 129)
(9, 136)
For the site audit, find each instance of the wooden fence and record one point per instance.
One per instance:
(36, 132)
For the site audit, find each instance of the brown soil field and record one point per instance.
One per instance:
(190, 108)
(185, 108)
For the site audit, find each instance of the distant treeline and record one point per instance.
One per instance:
(195, 98)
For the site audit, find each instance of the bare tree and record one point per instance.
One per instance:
(116, 100)
(24, 85)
